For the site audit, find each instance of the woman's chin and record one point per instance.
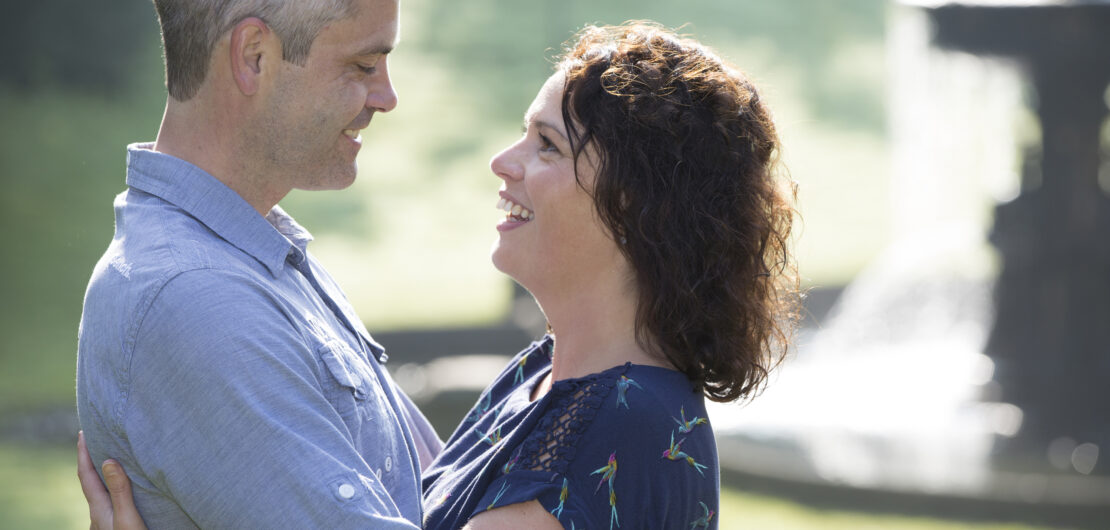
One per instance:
(503, 263)
(498, 256)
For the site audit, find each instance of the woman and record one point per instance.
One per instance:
(644, 215)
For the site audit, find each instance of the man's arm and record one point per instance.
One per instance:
(428, 443)
(226, 416)
(116, 510)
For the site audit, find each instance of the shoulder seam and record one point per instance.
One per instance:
(142, 309)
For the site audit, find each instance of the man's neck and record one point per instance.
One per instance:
(214, 144)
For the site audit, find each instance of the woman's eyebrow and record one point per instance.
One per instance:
(548, 125)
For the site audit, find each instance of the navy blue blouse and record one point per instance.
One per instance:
(629, 447)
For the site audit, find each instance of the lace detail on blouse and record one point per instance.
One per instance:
(552, 445)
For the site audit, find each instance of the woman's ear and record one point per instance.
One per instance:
(251, 43)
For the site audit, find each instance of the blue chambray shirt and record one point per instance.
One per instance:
(223, 367)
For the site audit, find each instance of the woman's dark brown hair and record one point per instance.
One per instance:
(686, 153)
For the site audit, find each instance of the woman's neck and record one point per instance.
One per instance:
(594, 329)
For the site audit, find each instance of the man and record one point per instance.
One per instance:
(217, 361)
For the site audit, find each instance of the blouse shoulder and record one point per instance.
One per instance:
(646, 421)
(520, 367)
(572, 409)
(623, 405)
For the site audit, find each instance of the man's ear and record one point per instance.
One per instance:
(252, 42)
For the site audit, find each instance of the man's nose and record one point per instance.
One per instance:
(381, 97)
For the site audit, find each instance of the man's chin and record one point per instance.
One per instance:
(336, 180)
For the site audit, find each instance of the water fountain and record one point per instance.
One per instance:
(1050, 340)
(951, 377)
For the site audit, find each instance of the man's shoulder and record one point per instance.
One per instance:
(156, 241)
(159, 254)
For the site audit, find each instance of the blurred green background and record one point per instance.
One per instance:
(409, 241)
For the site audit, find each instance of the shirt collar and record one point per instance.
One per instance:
(268, 239)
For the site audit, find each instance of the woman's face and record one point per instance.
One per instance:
(551, 239)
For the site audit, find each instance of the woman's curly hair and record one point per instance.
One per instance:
(686, 157)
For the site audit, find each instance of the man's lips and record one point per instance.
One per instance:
(354, 131)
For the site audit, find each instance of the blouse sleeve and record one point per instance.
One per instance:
(598, 459)
(539, 468)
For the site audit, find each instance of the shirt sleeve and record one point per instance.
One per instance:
(226, 415)
(428, 444)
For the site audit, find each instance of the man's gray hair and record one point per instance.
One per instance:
(191, 28)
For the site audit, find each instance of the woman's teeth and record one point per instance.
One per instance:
(516, 211)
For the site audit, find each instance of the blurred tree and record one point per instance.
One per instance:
(72, 44)
(477, 32)
(78, 81)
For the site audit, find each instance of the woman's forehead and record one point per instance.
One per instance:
(548, 101)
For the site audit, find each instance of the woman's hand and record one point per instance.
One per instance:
(112, 508)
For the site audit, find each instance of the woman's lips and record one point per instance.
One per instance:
(516, 214)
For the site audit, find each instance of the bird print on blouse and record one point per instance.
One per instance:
(520, 370)
(706, 517)
(623, 383)
(608, 473)
(491, 436)
(592, 416)
(674, 452)
(685, 426)
(481, 410)
(500, 492)
(558, 511)
(505, 469)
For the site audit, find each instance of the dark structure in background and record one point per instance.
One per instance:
(1051, 337)
(73, 45)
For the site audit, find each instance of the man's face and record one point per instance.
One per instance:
(308, 133)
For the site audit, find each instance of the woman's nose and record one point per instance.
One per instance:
(506, 164)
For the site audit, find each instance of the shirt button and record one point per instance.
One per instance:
(346, 491)
(388, 464)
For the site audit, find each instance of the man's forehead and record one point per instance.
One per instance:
(373, 28)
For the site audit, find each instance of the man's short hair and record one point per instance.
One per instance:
(190, 29)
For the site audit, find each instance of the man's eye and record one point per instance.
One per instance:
(368, 70)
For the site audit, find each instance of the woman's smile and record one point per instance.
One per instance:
(517, 214)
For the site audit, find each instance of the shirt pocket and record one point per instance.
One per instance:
(354, 377)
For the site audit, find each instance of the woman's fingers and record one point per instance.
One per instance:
(125, 515)
(100, 504)
(96, 495)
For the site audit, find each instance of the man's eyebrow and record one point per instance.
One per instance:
(376, 49)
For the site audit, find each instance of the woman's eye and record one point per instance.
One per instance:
(547, 145)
